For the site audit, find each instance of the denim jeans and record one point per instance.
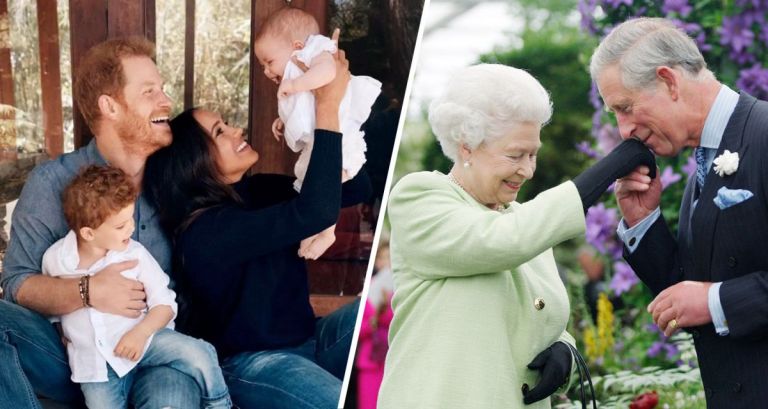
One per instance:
(34, 362)
(188, 355)
(304, 377)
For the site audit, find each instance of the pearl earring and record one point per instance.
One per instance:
(466, 163)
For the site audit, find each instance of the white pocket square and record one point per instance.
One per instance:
(728, 197)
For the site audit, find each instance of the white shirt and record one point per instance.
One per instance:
(95, 334)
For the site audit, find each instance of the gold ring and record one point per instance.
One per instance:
(673, 324)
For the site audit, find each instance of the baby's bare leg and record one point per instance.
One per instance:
(314, 246)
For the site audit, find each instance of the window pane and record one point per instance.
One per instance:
(23, 122)
(222, 57)
(170, 26)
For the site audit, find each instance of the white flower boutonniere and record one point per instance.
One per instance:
(727, 163)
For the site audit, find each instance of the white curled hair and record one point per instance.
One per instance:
(484, 102)
(641, 45)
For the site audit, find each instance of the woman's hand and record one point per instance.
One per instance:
(554, 363)
(328, 97)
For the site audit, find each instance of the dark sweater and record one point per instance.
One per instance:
(244, 284)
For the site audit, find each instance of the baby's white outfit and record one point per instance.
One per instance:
(94, 334)
(297, 111)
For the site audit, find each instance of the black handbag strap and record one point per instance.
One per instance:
(583, 370)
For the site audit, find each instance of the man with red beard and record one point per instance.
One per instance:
(120, 94)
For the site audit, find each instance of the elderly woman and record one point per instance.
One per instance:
(480, 311)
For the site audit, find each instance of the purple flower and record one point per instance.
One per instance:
(616, 3)
(587, 10)
(743, 57)
(594, 97)
(608, 138)
(680, 7)
(623, 278)
(668, 177)
(690, 166)
(754, 81)
(659, 346)
(736, 33)
(601, 228)
(597, 121)
(585, 148)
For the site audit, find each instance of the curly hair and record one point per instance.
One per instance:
(96, 193)
(100, 72)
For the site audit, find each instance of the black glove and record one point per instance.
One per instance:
(554, 363)
(620, 162)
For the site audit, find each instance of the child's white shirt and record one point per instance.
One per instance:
(94, 334)
(297, 111)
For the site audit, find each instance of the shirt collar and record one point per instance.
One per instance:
(718, 117)
(94, 155)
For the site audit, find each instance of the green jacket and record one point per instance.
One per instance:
(466, 278)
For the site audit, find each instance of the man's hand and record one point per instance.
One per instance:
(638, 195)
(277, 128)
(684, 302)
(111, 292)
(132, 343)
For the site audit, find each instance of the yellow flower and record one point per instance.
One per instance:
(600, 340)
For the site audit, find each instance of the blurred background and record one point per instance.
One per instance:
(632, 363)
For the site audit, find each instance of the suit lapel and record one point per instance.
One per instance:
(704, 219)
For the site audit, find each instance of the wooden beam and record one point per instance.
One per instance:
(189, 55)
(130, 18)
(50, 76)
(262, 104)
(88, 27)
(7, 100)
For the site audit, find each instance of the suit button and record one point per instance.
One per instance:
(708, 392)
(682, 270)
(736, 387)
(732, 262)
(538, 303)
(525, 388)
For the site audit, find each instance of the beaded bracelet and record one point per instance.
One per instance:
(84, 286)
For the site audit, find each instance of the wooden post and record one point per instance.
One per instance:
(50, 76)
(189, 55)
(7, 102)
(262, 104)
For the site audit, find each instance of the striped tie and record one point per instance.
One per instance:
(701, 166)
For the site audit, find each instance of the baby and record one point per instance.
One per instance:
(104, 348)
(292, 33)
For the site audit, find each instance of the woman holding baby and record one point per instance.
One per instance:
(236, 241)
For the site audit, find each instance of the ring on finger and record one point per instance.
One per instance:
(672, 324)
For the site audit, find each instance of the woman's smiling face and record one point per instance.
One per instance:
(500, 166)
(233, 155)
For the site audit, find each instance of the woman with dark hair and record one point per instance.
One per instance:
(235, 243)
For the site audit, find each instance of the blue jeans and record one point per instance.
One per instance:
(34, 362)
(188, 355)
(304, 377)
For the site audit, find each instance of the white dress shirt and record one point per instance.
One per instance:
(94, 334)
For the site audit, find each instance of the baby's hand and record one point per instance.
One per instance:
(132, 343)
(277, 128)
(286, 88)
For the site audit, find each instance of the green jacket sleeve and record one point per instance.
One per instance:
(442, 232)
